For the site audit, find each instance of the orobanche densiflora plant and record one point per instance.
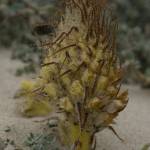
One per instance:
(80, 78)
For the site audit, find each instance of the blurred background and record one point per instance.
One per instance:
(19, 33)
(21, 54)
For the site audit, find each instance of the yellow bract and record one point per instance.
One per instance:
(118, 104)
(95, 103)
(66, 104)
(85, 57)
(99, 55)
(34, 107)
(27, 86)
(40, 82)
(76, 89)
(66, 81)
(102, 83)
(88, 78)
(51, 90)
(76, 135)
(94, 66)
(112, 91)
(45, 73)
(123, 96)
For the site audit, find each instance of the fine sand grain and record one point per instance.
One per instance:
(133, 125)
(9, 117)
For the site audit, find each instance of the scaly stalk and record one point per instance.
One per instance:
(80, 78)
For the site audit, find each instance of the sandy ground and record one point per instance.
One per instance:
(133, 125)
(9, 117)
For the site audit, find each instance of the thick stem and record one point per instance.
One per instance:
(82, 140)
(83, 143)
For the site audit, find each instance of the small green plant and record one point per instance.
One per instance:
(43, 142)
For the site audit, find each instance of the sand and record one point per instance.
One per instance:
(133, 125)
(9, 116)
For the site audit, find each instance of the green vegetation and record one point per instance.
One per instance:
(42, 142)
(18, 19)
(134, 35)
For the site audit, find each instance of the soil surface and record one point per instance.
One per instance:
(133, 124)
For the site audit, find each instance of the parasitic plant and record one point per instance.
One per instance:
(80, 78)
